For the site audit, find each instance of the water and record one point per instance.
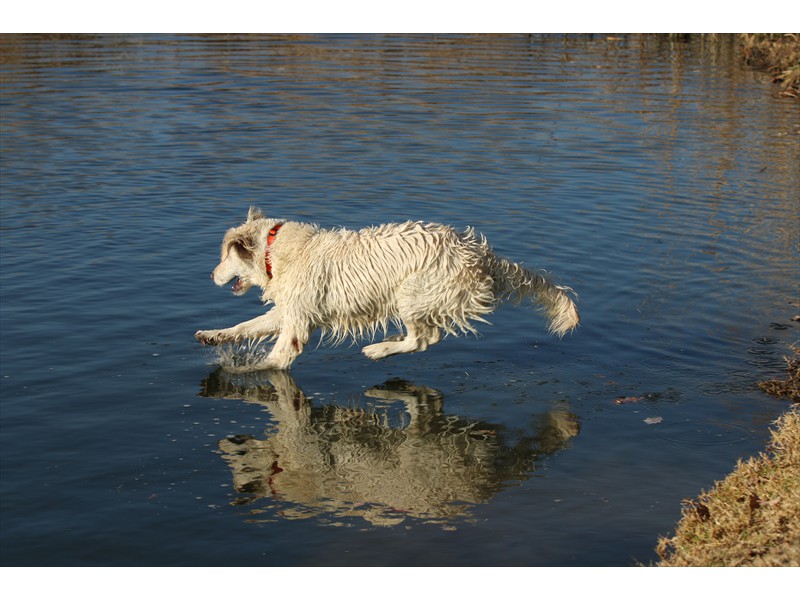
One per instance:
(658, 179)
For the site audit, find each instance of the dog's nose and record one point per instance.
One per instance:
(212, 275)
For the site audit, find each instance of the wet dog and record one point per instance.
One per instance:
(425, 278)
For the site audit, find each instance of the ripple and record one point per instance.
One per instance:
(703, 433)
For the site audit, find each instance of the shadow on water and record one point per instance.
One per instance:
(373, 461)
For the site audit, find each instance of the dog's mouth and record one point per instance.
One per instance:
(240, 287)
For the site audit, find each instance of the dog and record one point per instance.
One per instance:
(425, 278)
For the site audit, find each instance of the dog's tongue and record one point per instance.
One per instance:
(237, 287)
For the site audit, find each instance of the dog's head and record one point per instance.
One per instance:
(242, 254)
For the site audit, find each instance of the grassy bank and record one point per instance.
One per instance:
(778, 54)
(752, 517)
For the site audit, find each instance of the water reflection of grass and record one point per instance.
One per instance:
(775, 53)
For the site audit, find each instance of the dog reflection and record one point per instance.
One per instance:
(379, 464)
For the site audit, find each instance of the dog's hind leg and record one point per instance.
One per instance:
(413, 310)
(267, 325)
(417, 339)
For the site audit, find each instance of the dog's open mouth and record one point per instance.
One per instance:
(239, 287)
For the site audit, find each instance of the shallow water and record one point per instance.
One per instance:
(658, 179)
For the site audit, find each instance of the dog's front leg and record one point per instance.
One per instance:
(288, 346)
(264, 326)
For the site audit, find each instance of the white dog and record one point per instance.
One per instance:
(425, 277)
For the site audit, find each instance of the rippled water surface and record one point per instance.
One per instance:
(658, 179)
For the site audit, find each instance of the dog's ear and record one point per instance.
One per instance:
(243, 243)
(254, 214)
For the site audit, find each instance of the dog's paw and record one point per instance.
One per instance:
(210, 338)
(376, 351)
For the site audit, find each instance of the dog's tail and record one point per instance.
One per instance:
(513, 281)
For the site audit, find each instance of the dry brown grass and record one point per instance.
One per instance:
(752, 517)
(789, 387)
(778, 54)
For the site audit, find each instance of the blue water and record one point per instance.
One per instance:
(658, 179)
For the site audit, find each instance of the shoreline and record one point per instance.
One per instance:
(750, 518)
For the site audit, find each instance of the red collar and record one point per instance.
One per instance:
(270, 240)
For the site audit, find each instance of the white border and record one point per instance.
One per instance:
(408, 16)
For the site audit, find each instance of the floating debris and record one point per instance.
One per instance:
(626, 399)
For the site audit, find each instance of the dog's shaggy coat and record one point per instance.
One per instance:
(425, 277)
